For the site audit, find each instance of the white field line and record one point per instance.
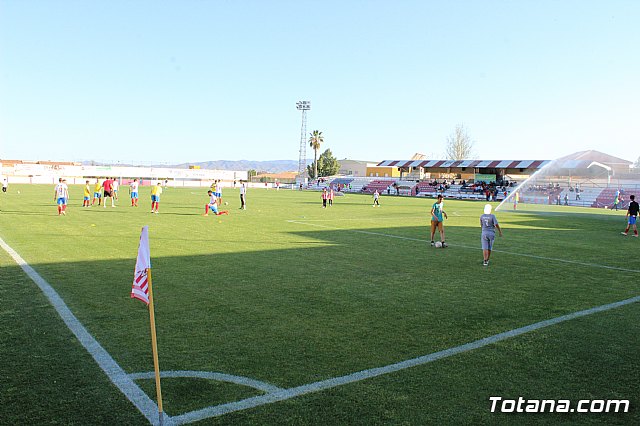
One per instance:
(149, 409)
(532, 256)
(378, 218)
(220, 377)
(114, 372)
(285, 394)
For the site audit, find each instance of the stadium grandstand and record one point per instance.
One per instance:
(585, 178)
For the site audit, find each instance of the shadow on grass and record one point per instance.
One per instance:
(297, 315)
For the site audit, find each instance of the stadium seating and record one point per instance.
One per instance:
(357, 184)
(379, 185)
(406, 187)
(607, 197)
(424, 189)
(339, 184)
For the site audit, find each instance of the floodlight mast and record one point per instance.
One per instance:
(303, 106)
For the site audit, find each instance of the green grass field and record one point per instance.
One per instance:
(290, 294)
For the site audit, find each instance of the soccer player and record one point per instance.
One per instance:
(133, 191)
(213, 205)
(632, 215)
(243, 196)
(61, 195)
(376, 196)
(156, 191)
(5, 184)
(107, 185)
(516, 199)
(87, 194)
(325, 196)
(489, 224)
(114, 187)
(97, 192)
(331, 194)
(437, 221)
(218, 191)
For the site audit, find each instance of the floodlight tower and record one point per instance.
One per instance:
(303, 106)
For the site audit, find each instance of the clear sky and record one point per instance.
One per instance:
(185, 80)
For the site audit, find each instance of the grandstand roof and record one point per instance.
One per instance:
(577, 160)
(591, 155)
(483, 164)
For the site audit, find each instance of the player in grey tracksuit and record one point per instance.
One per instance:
(489, 224)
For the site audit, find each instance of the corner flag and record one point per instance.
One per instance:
(140, 289)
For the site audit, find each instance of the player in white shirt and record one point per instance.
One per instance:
(61, 196)
(133, 191)
(115, 185)
(243, 196)
(213, 205)
(218, 191)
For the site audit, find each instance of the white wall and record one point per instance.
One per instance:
(47, 174)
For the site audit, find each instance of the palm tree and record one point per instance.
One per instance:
(315, 141)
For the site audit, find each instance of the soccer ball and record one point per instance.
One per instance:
(438, 244)
(226, 203)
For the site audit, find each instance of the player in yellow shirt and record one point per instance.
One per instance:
(97, 192)
(156, 191)
(87, 195)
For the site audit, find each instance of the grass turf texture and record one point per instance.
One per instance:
(256, 295)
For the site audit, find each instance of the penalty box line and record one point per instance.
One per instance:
(105, 361)
(290, 393)
(420, 240)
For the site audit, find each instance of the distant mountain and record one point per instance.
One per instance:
(274, 166)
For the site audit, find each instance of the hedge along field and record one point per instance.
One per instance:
(288, 293)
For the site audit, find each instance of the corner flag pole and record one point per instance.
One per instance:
(154, 344)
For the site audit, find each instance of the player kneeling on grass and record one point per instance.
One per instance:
(213, 205)
(489, 224)
(437, 221)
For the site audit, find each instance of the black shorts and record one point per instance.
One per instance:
(4, 189)
(107, 194)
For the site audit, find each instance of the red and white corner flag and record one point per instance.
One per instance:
(140, 289)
